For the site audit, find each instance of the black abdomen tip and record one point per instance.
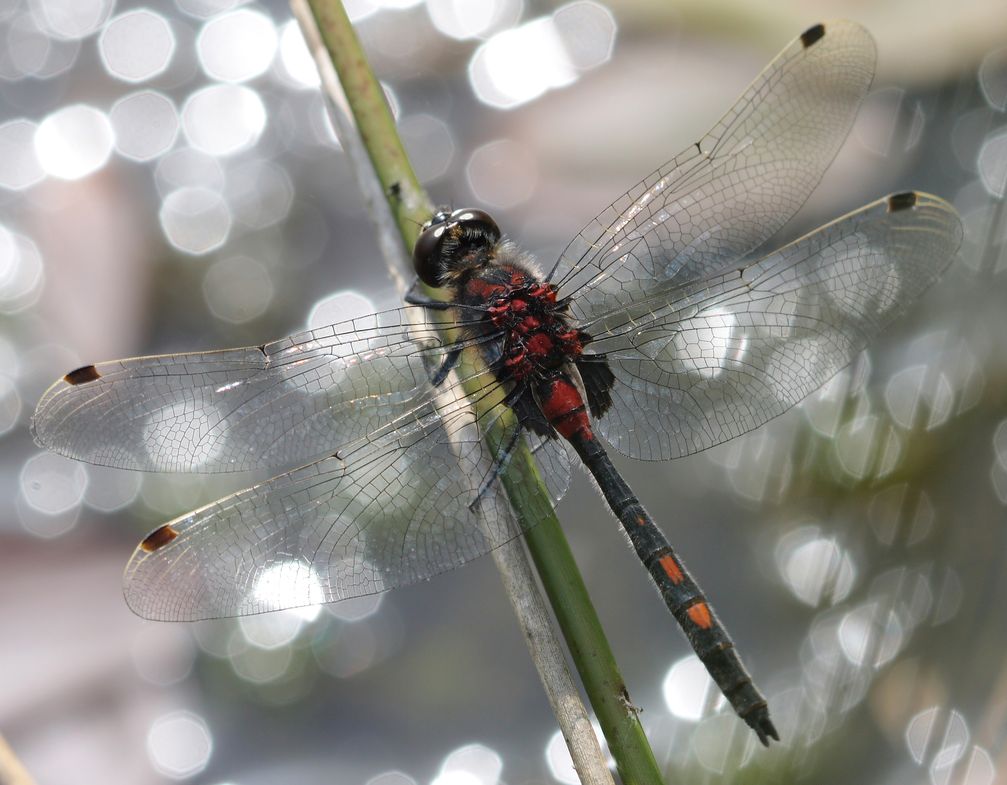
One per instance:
(82, 375)
(902, 201)
(812, 35)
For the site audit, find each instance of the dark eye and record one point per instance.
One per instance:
(476, 219)
(427, 251)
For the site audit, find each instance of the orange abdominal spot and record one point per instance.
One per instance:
(700, 615)
(672, 570)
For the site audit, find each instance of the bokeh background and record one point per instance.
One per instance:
(169, 181)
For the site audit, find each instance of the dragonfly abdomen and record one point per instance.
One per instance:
(679, 591)
(564, 407)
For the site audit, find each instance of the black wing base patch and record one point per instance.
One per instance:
(530, 414)
(598, 380)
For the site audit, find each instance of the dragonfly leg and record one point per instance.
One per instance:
(450, 361)
(415, 296)
(498, 466)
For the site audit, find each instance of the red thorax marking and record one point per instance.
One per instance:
(484, 289)
(528, 324)
(539, 345)
(543, 291)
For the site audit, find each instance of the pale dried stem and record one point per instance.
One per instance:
(12, 771)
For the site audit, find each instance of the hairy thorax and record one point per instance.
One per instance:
(536, 339)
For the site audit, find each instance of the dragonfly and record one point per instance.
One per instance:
(663, 329)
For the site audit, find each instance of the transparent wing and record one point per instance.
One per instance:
(722, 356)
(553, 459)
(415, 499)
(727, 194)
(275, 405)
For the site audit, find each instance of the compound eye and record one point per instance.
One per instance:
(441, 216)
(476, 219)
(427, 252)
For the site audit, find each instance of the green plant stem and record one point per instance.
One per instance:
(591, 653)
(582, 630)
(407, 199)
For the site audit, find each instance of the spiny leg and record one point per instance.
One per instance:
(498, 466)
(501, 460)
(415, 296)
(450, 361)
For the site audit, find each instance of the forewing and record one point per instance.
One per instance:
(280, 404)
(414, 500)
(723, 356)
(728, 193)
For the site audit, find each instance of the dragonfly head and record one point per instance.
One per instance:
(451, 242)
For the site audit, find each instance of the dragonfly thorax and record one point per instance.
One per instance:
(463, 251)
(536, 338)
